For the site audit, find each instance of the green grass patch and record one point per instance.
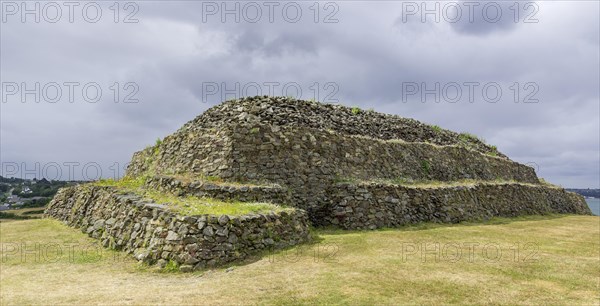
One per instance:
(171, 267)
(436, 128)
(467, 138)
(493, 151)
(191, 205)
(124, 183)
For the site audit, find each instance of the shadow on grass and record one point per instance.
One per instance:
(330, 230)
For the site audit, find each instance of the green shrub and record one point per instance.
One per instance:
(493, 151)
(425, 166)
(37, 203)
(6, 215)
(171, 267)
(33, 212)
(356, 110)
(467, 137)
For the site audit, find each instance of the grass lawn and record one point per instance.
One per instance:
(543, 260)
(31, 213)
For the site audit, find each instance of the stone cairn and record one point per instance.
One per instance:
(328, 165)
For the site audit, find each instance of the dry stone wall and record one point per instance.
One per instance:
(244, 193)
(309, 161)
(306, 161)
(154, 234)
(205, 144)
(283, 111)
(370, 206)
(285, 151)
(205, 152)
(271, 153)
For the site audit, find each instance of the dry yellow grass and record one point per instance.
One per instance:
(558, 263)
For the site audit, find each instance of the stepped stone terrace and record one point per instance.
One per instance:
(253, 174)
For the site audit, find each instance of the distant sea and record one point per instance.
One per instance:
(594, 205)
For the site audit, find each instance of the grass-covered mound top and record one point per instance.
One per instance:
(190, 205)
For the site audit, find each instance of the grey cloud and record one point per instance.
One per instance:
(171, 53)
(477, 18)
(494, 16)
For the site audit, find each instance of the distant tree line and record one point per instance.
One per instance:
(38, 188)
(594, 193)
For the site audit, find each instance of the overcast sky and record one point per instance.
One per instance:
(173, 58)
